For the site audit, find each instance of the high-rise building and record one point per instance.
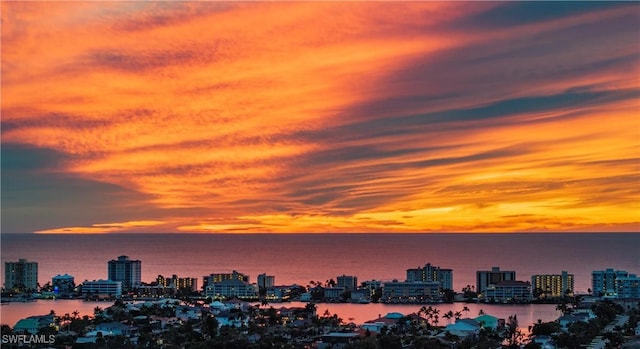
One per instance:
(432, 273)
(21, 275)
(556, 285)
(485, 278)
(265, 281)
(349, 282)
(628, 287)
(604, 282)
(127, 271)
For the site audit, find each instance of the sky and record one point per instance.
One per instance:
(280, 117)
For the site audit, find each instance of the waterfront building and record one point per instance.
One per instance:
(265, 281)
(552, 285)
(349, 283)
(487, 321)
(102, 288)
(508, 291)
(628, 287)
(34, 324)
(218, 277)
(410, 292)
(432, 273)
(333, 292)
(127, 271)
(21, 275)
(63, 283)
(603, 282)
(445, 276)
(485, 278)
(178, 283)
(155, 290)
(360, 296)
(231, 288)
(466, 328)
(372, 286)
(305, 297)
(277, 294)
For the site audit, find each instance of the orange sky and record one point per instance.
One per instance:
(320, 117)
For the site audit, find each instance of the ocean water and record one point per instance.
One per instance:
(300, 258)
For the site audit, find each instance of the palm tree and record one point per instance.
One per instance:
(466, 310)
(457, 315)
(310, 309)
(448, 315)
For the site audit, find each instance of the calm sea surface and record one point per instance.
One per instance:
(300, 258)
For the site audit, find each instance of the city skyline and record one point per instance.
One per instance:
(289, 117)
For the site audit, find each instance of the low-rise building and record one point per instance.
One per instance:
(231, 319)
(333, 292)
(338, 340)
(487, 321)
(508, 291)
(102, 288)
(231, 288)
(116, 329)
(360, 296)
(278, 293)
(33, 324)
(218, 277)
(178, 283)
(372, 286)
(63, 284)
(410, 292)
(462, 329)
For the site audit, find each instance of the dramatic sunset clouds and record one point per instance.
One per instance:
(320, 116)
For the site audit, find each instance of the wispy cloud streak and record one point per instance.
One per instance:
(314, 117)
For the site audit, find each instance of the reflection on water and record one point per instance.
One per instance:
(357, 313)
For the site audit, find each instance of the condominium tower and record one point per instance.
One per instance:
(127, 271)
(552, 285)
(21, 275)
(485, 278)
